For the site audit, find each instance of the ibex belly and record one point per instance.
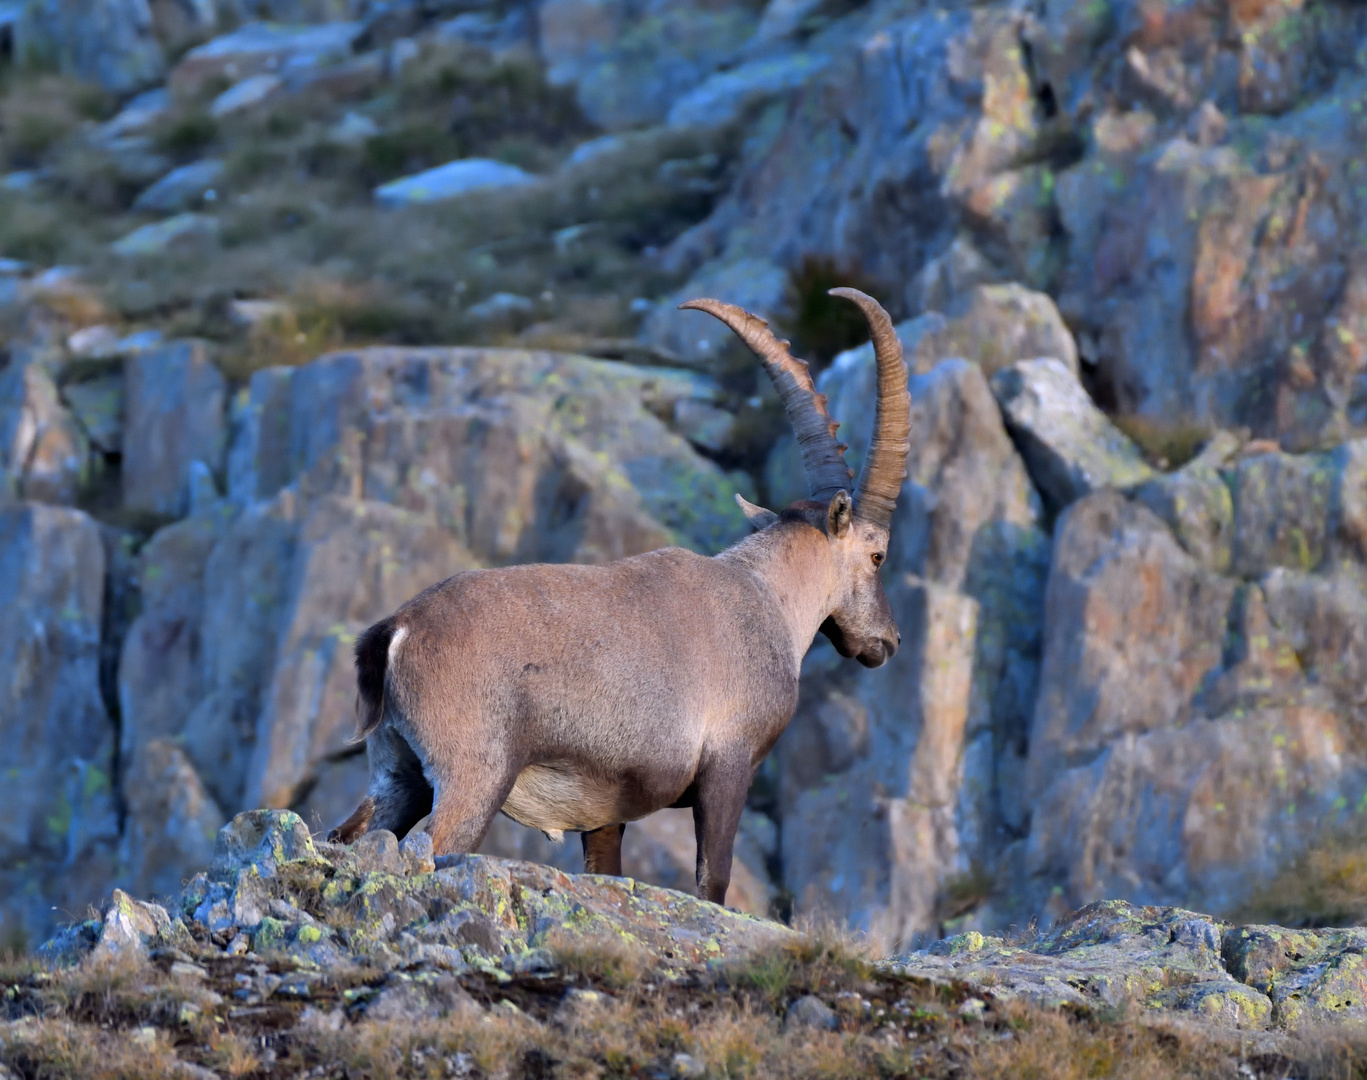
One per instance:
(557, 799)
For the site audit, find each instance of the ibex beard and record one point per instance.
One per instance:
(579, 698)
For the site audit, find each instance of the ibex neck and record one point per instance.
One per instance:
(794, 562)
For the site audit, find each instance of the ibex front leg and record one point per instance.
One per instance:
(603, 850)
(722, 787)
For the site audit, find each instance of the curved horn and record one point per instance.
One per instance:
(822, 455)
(885, 467)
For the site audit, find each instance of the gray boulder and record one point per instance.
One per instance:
(629, 62)
(1132, 626)
(186, 232)
(695, 337)
(174, 405)
(1209, 809)
(1282, 506)
(450, 181)
(1197, 504)
(259, 48)
(181, 188)
(487, 453)
(163, 659)
(875, 843)
(962, 473)
(994, 326)
(171, 823)
(727, 96)
(97, 405)
(1069, 445)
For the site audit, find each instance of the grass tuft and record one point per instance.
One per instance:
(1326, 886)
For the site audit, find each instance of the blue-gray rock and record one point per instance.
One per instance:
(112, 43)
(1069, 445)
(183, 232)
(58, 809)
(43, 450)
(809, 1011)
(450, 181)
(251, 91)
(260, 48)
(181, 188)
(696, 338)
(726, 96)
(630, 62)
(174, 414)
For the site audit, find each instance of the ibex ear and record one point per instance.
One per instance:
(757, 516)
(839, 514)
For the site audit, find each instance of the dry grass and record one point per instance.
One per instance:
(607, 957)
(1327, 886)
(116, 1022)
(1165, 444)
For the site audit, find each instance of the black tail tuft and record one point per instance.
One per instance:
(372, 657)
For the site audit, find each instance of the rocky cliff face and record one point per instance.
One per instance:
(1113, 235)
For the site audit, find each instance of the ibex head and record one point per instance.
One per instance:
(860, 624)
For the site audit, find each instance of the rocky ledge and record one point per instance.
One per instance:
(291, 957)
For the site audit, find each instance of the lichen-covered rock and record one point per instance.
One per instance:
(1132, 625)
(993, 326)
(1196, 503)
(1110, 954)
(392, 907)
(1069, 445)
(171, 821)
(1281, 512)
(262, 840)
(123, 932)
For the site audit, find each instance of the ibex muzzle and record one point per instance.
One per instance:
(578, 698)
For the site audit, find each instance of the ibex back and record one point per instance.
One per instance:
(583, 697)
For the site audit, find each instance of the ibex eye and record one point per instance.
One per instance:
(878, 558)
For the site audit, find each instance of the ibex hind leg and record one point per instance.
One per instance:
(464, 807)
(399, 795)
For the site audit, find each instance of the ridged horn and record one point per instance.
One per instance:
(822, 455)
(885, 466)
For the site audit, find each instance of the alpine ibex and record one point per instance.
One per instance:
(583, 697)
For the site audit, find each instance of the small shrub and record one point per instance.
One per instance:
(821, 325)
(187, 134)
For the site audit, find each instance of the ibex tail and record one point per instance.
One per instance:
(372, 659)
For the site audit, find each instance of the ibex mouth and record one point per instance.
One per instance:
(879, 654)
